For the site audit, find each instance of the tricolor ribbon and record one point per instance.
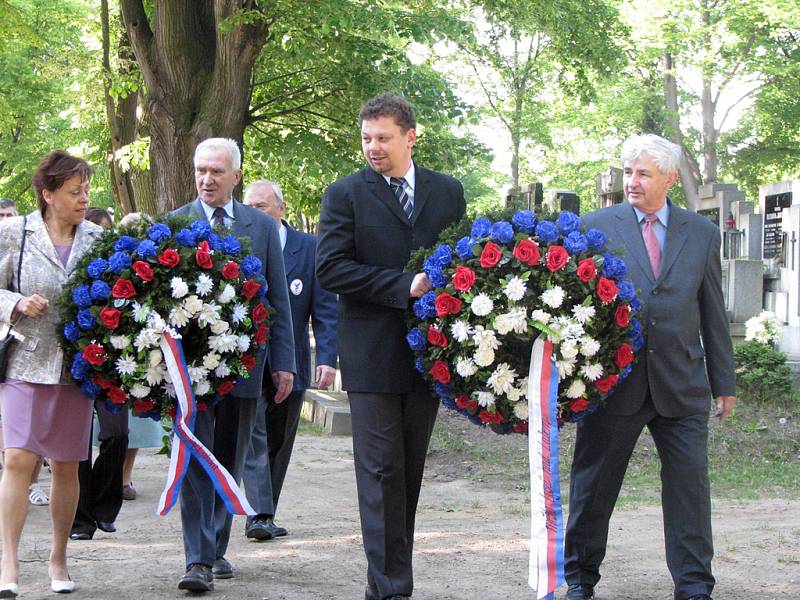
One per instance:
(185, 444)
(546, 566)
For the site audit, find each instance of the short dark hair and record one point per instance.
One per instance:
(54, 170)
(387, 104)
(8, 203)
(100, 217)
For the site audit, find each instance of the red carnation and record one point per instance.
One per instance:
(623, 356)
(204, 246)
(521, 427)
(110, 317)
(202, 407)
(463, 279)
(587, 270)
(143, 270)
(436, 337)
(143, 405)
(225, 388)
(169, 258)
(116, 394)
(260, 312)
(261, 335)
(490, 417)
(230, 270)
(557, 257)
(527, 252)
(579, 405)
(250, 288)
(606, 383)
(103, 383)
(440, 372)
(491, 255)
(622, 316)
(447, 304)
(203, 259)
(123, 288)
(606, 290)
(249, 361)
(94, 354)
(464, 401)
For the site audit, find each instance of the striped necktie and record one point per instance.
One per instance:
(651, 242)
(399, 188)
(219, 218)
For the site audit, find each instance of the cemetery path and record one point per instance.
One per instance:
(471, 543)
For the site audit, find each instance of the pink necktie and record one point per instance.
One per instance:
(651, 243)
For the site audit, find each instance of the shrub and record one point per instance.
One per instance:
(761, 372)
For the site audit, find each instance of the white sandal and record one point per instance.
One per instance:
(37, 497)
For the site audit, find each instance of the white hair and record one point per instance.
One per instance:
(266, 183)
(218, 143)
(666, 155)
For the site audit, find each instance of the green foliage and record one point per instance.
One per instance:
(761, 372)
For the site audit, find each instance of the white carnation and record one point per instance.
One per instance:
(484, 356)
(220, 327)
(139, 391)
(227, 294)
(211, 360)
(209, 314)
(461, 330)
(146, 338)
(589, 346)
(155, 357)
(485, 338)
(155, 375)
(140, 312)
(222, 370)
(568, 349)
(503, 324)
(554, 297)
(169, 389)
(197, 374)
(592, 372)
(514, 289)
(239, 313)
(179, 287)
(502, 379)
(156, 322)
(223, 343)
(570, 328)
(565, 368)
(576, 389)
(583, 314)
(192, 305)
(201, 388)
(486, 399)
(514, 394)
(541, 316)
(126, 365)
(120, 342)
(178, 317)
(204, 285)
(244, 343)
(521, 410)
(466, 367)
(482, 305)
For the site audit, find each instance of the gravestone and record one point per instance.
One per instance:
(560, 200)
(526, 197)
(608, 185)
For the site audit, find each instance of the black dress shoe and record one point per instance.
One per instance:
(700, 597)
(580, 591)
(198, 578)
(80, 535)
(222, 569)
(371, 592)
(258, 528)
(106, 526)
(277, 530)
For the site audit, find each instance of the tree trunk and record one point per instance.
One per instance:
(708, 105)
(198, 83)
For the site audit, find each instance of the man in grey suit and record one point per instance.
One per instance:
(225, 429)
(673, 259)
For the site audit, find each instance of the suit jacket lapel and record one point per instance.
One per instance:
(291, 249)
(38, 238)
(242, 226)
(629, 231)
(384, 194)
(677, 232)
(421, 190)
(83, 240)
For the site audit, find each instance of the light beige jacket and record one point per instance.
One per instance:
(39, 358)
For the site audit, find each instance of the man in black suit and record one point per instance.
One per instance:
(276, 422)
(673, 259)
(225, 429)
(370, 223)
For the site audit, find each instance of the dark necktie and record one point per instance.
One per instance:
(219, 218)
(651, 242)
(398, 187)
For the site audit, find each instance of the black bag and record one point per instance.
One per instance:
(6, 342)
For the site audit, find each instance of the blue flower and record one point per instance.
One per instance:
(416, 340)
(119, 261)
(597, 240)
(85, 319)
(97, 267)
(114, 409)
(230, 245)
(576, 243)
(525, 220)
(419, 364)
(79, 368)
(443, 390)
(613, 266)
(637, 339)
(502, 232)
(625, 372)
(125, 243)
(547, 232)
(81, 297)
(146, 248)
(251, 265)
(464, 248)
(568, 222)
(214, 241)
(481, 228)
(158, 232)
(71, 332)
(201, 229)
(636, 305)
(626, 290)
(448, 402)
(443, 255)
(90, 390)
(187, 237)
(100, 290)
(437, 277)
(425, 307)
(264, 287)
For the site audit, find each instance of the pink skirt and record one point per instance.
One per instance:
(53, 421)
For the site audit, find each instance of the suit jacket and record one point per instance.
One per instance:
(265, 244)
(687, 357)
(365, 240)
(39, 359)
(308, 301)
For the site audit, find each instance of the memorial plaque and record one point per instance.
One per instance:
(569, 201)
(773, 215)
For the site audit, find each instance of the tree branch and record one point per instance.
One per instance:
(141, 35)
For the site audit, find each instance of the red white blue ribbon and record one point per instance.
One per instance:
(546, 566)
(185, 444)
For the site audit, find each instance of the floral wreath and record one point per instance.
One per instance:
(499, 285)
(198, 285)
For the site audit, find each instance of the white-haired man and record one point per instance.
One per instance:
(673, 258)
(226, 428)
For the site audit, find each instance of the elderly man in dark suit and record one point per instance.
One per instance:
(276, 422)
(673, 257)
(370, 223)
(226, 428)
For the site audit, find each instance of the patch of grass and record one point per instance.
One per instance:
(310, 428)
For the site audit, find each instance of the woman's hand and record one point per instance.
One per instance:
(31, 306)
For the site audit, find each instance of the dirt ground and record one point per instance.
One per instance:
(471, 543)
